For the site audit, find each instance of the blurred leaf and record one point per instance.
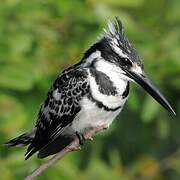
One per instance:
(164, 127)
(149, 109)
(148, 168)
(18, 76)
(133, 101)
(12, 115)
(123, 3)
(20, 43)
(174, 13)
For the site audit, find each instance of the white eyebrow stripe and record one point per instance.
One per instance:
(117, 49)
(137, 69)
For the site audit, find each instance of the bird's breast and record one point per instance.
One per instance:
(99, 108)
(103, 103)
(92, 116)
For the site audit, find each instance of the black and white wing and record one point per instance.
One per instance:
(60, 108)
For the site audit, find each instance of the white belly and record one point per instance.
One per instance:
(91, 116)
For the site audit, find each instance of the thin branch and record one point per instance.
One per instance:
(74, 146)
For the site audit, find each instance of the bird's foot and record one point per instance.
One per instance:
(75, 148)
(90, 138)
(81, 138)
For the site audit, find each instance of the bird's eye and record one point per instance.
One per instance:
(126, 62)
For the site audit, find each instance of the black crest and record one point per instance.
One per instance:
(115, 28)
(117, 37)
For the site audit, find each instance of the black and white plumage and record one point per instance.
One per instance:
(88, 94)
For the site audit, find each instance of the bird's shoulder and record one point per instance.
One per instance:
(74, 75)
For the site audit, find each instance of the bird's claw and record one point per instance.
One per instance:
(90, 138)
(81, 138)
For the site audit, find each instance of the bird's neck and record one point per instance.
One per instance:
(95, 62)
(113, 72)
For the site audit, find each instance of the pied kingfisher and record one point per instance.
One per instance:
(89, 94)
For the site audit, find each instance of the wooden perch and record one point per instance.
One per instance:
(74, 146)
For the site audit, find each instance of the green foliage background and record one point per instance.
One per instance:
(39, 38)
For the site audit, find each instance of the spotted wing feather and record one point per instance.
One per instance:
(60, 108)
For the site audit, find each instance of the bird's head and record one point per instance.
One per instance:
(117, 50)
(126, 57)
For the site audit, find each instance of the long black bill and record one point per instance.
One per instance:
(144, 82)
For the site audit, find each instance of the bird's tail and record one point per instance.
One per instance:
(22, 140)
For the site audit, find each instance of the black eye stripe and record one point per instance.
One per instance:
(121, 60)
(125, 62)
(128, 61)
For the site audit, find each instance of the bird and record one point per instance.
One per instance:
(89, 94)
